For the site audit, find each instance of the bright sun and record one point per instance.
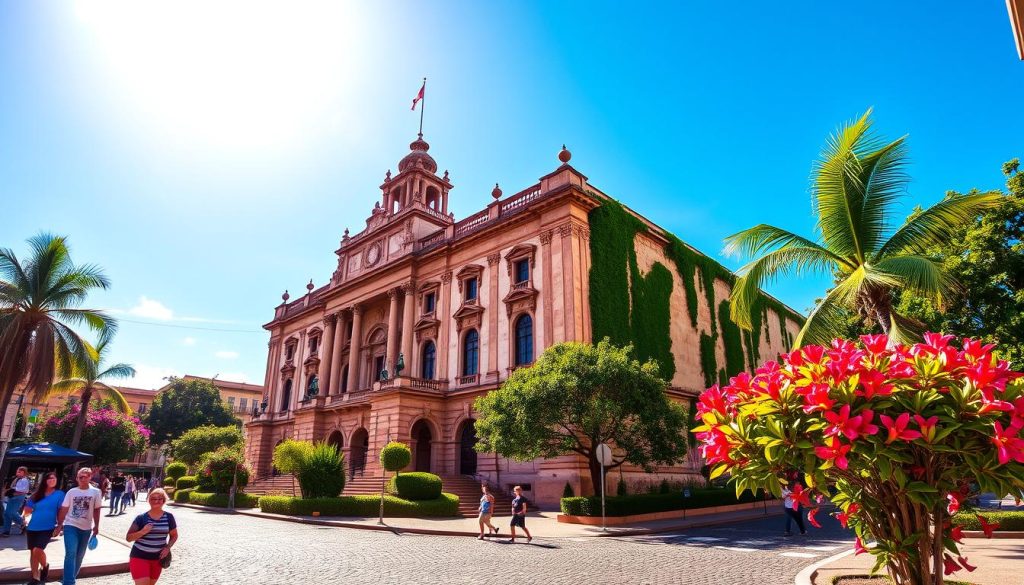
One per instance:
(223, 73)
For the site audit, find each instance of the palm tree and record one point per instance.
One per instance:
(89, 381)
(857, 179)
(40, 302)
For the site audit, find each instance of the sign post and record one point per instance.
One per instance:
(604, 457)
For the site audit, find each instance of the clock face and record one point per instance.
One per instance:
(373, 254)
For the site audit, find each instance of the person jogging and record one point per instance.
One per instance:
(79, 519)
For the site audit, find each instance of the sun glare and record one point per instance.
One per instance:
(212, 74)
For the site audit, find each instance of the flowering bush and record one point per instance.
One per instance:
(217, 470)
(109, 436)
(903, 435)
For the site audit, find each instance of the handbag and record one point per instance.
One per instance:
(166, 561)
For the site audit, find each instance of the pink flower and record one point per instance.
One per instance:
(927, 426)
(872, 383)
(817, 398)
(859, 547)
(811, 518)
(850, 427)
(875, 344)
(712, 400)
(898, 428)
(955, 499)
(834, 451)
(1008, 445)
(800, 496)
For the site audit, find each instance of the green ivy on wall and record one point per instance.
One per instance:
(733, 341)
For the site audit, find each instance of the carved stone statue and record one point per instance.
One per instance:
(383, 375)
(400, 365)
(314, 387)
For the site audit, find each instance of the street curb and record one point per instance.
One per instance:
(808, 574)
(95, 570)
(996, 534)
(438, 532)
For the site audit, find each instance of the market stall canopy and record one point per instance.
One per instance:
(45, 453)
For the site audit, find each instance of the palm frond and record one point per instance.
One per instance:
(118, 371)
(66, 387)
(904, 330)
(824, 322)
(793, 259)
(885, 180)
(114, 395)
(938, 223)
(837, 182)
(764, 237)
(921, 275)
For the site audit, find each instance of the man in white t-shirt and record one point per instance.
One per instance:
(79, 518)
(19, 490)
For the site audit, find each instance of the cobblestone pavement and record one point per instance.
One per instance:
(222, 548)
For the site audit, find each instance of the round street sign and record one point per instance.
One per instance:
(604, 454)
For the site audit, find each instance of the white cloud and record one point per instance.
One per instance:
(147, 376)
(227, 355)
(188, 341)
(151, 309)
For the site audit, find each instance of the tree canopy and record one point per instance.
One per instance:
(190, 447)
(857, 181)
(577, 396)
(108, 435)
(185, 405)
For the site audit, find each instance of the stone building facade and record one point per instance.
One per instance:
(424, 314)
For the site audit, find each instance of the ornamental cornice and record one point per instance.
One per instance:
(494, 258)
(545, 237)
(447, 277)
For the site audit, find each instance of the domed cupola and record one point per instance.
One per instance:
(418, 157)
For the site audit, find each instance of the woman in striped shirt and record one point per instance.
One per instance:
(154, 533)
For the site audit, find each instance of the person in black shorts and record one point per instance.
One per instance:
(520, 506)
(42, 507)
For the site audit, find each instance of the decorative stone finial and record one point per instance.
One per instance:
(344, 237)
(496, 193)
(309, 287)
(446, 174)
(387, 176)
(285, 296)
(564, 155)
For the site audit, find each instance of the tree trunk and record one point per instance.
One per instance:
(83, 411)
(595, 472)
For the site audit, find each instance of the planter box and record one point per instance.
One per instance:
(670, 515)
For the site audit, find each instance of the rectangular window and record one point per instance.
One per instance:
(522, 271)
(471, 289)
(289, 352)
(142, 407)
(429, 302)
(243, 404)
(313, 341)
(231, 402)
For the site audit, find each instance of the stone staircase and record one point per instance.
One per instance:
(273, 484)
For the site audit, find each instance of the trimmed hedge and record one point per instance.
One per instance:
(169, 482)
(186, 481)
(183, 496)
(1007, 520)
(175, 470)
(221, 500)
(650, 503)
(415, 485)
(364, 506)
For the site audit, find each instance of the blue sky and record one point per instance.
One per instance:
(210, 154)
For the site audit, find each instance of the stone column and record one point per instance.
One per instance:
(444, 302)
(547, 289)
(492, 310)
(408, 313)
(568, 283)
(326, 353)
(339, 343)
(392, 347)
(353, 350)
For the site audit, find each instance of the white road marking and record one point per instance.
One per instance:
(800, 555)
(821, 548)
(737, 548)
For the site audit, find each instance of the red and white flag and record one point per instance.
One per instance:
(419, 96)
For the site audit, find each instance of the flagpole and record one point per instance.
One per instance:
(423, 104)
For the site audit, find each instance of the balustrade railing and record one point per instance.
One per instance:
(471, 223)
(519, 200)
(468, 380)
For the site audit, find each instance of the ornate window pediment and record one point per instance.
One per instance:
(426, 327)
(521, 252)
(520, 299)
(468, 315)
(467, 272)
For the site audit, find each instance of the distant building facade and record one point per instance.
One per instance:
(424, 314)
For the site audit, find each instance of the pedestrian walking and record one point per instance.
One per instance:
(129, 493)
(520, 505)
(485, 511)
(154, 533)
(42, 508)
(16, 495)
(79, 519)
(116, 493)
(791, 513)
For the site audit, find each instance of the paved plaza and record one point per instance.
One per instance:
(226, 548)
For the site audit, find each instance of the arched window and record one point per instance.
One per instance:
(471, 353)
(286, 395)
(429, 355)
(524, 340)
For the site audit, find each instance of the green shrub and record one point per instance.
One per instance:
(218, 471)
(395, 456)
(363, 506)
(169, 482)
(183, 496)
(175, 470)
(321, 472)
(567, 491)
(415, 485)
(186, 481)
(221, 500)
(622, 489)
(649, 503)
(289, 454)
(1007, 520)
(194, 443)
(664, 487)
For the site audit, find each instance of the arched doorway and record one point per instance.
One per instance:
(467, 453)
(336, 441)
(360, 446)
(422, 439)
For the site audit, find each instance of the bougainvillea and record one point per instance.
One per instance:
(109, 436)
(219, 469)
(900, 436)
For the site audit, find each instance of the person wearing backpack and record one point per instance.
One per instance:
(154, 533)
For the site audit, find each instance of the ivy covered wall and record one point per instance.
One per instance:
(630, 307)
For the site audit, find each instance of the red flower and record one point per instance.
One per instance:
(811, 518)
(875, 344)
(955, 499)
(873, 384)
(927, 426)
(976, 351)
(1008, 445)
(989, 402)
(850, 427)
(794, 358)
(816, 398)
(950, 565)
(712, 400)
(957, 534)
(800, 497)
(844, 517)
(715, 447)
(813, 353)
(986, 527)
(898, 428)
(859, 547)
(963, 561)
(835, 451)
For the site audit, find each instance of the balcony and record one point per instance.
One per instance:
(469, 380)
